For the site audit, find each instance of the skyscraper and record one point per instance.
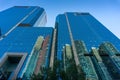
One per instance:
(86, 36)
(25, 47)
(25, 16)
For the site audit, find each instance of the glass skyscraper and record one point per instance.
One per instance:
(87, 36)
(21, 16)
(25, 44)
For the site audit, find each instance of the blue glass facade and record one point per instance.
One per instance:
(33, 17)
(18, 37)
(22, 40)
(63, 36)
(83, 27)
(17, 15)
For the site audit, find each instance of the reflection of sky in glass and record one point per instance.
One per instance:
(106, 11)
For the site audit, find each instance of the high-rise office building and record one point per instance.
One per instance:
(25, 16)
(88, 37)
(25, 47)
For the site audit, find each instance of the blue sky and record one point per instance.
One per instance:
(106, 11)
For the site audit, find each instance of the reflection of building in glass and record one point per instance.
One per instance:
(22, 46)
(111, 58)
(78, 48)
(80, 30)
